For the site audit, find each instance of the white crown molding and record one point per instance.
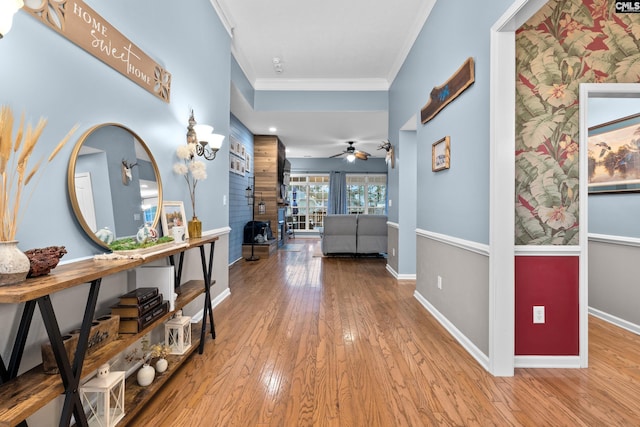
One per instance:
(226, 23)
(245, 66)
(413, 33)
(321, 84)
(467, 245)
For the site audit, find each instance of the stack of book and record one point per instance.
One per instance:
(139, 308)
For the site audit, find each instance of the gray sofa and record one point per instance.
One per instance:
(354, 234)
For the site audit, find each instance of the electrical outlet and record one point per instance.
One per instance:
(390, 202)
(538, 314)
(393, 252)
(439, 282)
(224, 200)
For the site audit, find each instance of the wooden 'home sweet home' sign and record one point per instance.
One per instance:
(80, 24)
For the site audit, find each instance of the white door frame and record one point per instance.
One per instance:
(502, 186)
(591, 90)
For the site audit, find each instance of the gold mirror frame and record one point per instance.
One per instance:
(71, 180)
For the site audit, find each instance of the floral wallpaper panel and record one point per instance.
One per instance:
(566, 43)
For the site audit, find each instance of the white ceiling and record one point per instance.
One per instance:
(321, 45)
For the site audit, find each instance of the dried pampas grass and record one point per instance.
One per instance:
(15, 173)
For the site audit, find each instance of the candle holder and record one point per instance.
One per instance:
(103, 396)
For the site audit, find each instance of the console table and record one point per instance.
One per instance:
(23, 395)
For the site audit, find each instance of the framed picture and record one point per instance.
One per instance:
(236, 147)
(247, 164)
(614, 156)
(232, 164)
(173, 215)
(440, 154)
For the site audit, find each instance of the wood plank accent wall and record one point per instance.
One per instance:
(265, 166)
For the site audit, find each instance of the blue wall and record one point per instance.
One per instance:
(613, 214)
(239, 210)
(43, 74)
(453, 202)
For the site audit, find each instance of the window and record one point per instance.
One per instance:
(308, 198)
(366, 194)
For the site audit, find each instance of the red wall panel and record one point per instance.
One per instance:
(551, 281)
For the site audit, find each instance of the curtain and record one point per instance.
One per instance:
(337, 193)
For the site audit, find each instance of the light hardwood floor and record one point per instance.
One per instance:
(312, 341)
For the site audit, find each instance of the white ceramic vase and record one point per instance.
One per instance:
(14, 264)
(161, 365)
(145, 375)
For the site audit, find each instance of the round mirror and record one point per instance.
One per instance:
(113, 183)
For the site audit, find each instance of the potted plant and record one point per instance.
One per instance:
(17, 179)
(146, 373)
(160, 351)
(193, 171)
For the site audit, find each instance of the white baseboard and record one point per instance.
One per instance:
(236, 261)
(554, 362)
(471, 348)
(624, 324)
(214, 302)
(400, 276)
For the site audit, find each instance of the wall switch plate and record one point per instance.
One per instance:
(538, 314)
(224, 200)
(393, 252)
(439, 282)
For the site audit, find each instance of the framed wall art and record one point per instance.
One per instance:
(173, 215)
(614, 156)
(236, 147)
(440, 154)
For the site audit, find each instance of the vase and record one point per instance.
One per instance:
(161, 365)
(145, 375)
(14, 264)
(195, 228)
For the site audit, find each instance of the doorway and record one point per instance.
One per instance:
(591, 91)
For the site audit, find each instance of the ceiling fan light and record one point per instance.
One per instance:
(351, 157)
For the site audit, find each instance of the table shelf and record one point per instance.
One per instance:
(24, 395)
(136, 396)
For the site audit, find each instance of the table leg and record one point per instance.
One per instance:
(207, 271)
(10, 372)
(178, 270)
(70, 374)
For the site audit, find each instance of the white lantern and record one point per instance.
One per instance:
(103, 396)
(177, 334)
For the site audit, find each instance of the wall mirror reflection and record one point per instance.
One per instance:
(113, 183)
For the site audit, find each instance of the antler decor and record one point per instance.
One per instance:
(390, 157)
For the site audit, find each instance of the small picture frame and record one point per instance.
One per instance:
(440, 154)
(173, 215)
(247, 166)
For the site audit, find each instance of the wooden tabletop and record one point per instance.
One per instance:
(79, 272)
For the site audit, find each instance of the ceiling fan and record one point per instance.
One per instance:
(352, 153)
